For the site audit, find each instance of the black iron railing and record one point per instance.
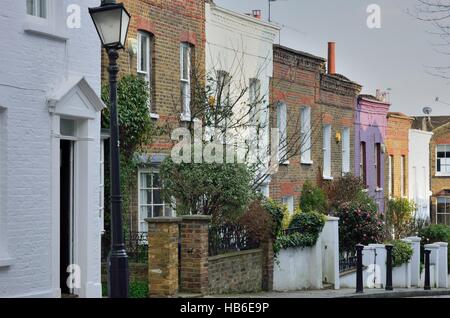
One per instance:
(347, 262)
(136, 245)
(229, 238)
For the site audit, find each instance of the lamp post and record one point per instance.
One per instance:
(112, 21)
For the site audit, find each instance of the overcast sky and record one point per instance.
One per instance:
(398, 56)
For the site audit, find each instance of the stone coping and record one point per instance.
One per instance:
(432, 246)
(205, 218)
(233, 254)
(163, 219)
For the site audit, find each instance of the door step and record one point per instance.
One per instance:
(69, 296)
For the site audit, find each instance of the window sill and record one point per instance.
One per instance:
(185, 118)
(285, 163)
(442, 175)
(379, 190)
(154, 116)
(6, 261)
(43, 29)
(328, 178)
(307, 162)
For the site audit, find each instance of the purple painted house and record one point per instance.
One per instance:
(370, 129)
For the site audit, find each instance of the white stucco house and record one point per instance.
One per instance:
(50, 214)
(419, 171)
(239, 53)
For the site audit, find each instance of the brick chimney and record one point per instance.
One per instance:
(256, 14)
(331, 57)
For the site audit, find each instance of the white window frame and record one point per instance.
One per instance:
(101, 186)
(164, 205)
(346, 150)
(52, 26)
(147, 73)
(446, 213)
(185, 82)
(282, 131)
(402, 175)
(305, 131)
(289, 202)
(254, 93)
(37, 8)
(446, 149)
(327, 129)
(5, 259)
(390, 179)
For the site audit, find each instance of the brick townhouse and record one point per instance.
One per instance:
(166, 40)
(396, 179)
(439, 165)
(315, 108)
(370, 134)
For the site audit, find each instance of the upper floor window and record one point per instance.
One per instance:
(363, 163)
(391, 176)
(37, 8)
(305, 138)
(443, 160)
(402, 176)
(282, 131)
(185, 78)
(327, 151)
(255, 99)
(377, 150)
(144, 63)
(223, 88)
(346, 150)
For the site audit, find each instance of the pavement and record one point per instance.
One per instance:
(345, 293)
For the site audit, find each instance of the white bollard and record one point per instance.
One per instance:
(442, 279)
(434, 263)
(415, 260)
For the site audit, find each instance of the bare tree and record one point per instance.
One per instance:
(437, 13)
(234, 110)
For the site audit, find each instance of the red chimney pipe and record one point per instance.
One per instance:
(331, 57)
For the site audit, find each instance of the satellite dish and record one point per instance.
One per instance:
(427, 110)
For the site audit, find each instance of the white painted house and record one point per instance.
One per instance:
(49, 149)
(419, 171)
(239, 53)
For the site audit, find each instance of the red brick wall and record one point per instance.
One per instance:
(299, 84)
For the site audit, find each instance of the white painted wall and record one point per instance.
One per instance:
(242, 46)
(36, 61)
(419, 171)
(308, 268)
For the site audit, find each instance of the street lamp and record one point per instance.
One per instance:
(112, 21)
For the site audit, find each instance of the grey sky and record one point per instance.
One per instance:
(397, 56)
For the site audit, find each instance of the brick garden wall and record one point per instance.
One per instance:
(239, 272)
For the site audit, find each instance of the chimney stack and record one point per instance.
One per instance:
(331, 57)
(256, 14)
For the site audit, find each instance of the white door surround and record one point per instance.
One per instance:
(77, 101)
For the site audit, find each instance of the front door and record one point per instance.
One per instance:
(66, 214)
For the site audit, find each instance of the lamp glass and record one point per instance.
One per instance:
(124, 29)
(112, 23)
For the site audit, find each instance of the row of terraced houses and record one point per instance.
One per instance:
(52, 148)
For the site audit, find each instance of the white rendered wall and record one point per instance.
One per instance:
(419, 171)
(32, 67)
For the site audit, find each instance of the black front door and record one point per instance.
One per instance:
(66, 210)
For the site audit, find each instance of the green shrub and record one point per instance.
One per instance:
(138, 289)
(399, 216)
(277, 212)
(359, 223)
(308, 227)
(313, 199)
(401, 253)
(435, 233)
